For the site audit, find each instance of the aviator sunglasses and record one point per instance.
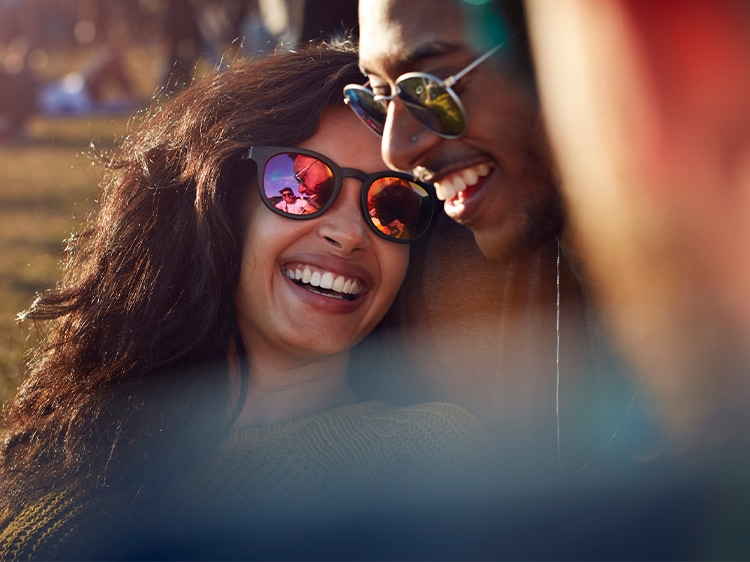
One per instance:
(395, 205)
(429, 99)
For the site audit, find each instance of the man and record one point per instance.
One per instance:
(315, 181)
(511, 338)
(496, 178)
(290, 203)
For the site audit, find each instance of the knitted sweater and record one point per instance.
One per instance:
(349, 458)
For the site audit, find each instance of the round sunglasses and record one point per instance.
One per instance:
(428, 98)
(397, 207)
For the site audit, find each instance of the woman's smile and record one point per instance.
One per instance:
(323, 282)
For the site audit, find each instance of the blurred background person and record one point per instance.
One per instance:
(18, 93)
(290, 203)
(81, 50)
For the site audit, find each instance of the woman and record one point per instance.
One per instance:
(195, 359)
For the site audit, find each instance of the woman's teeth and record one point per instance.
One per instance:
(451, 185)
(348, 287)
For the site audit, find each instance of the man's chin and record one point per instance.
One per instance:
(502, 247)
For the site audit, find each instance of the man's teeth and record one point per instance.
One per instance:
(448, 187)
(325, 280)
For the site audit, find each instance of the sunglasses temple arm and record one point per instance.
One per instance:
(451, 80)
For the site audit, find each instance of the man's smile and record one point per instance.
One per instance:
(448, 187)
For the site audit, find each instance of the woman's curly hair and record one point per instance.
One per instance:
(138, 367)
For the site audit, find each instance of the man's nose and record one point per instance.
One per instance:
(405, 139)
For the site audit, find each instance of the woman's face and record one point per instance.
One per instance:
(286, 321)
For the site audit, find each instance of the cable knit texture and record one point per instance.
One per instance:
(347, 458)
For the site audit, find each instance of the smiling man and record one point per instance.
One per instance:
(491, 315)
(456, 105)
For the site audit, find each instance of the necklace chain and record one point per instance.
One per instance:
(557, 354)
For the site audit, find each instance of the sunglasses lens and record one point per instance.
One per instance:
(399, 208)
(362, 101)
(297, 184)
(432, 104)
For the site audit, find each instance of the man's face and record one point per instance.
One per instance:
(311, 174)
(496, 179)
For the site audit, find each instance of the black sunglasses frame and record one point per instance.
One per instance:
(262, 154)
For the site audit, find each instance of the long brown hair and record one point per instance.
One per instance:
(134, 368)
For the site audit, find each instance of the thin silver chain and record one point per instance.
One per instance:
(557, 356)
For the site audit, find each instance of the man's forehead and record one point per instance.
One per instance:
(392, 32)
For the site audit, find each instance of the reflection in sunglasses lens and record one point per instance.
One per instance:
(399, 208)
(431, 103)
(310, 180)
(372, 112)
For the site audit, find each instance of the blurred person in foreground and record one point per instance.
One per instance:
(491, 315)
(656, 95)
(647, 109)
(190, 397)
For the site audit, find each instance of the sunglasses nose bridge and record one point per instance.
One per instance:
(366, 180)
(352, 173)
(395, 99)
(386, 99)
(339, 225)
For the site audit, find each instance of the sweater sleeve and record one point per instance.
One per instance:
(65, 526)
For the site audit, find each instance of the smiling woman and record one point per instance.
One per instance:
(193, 376)
(291, 324)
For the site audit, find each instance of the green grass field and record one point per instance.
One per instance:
(48, 185)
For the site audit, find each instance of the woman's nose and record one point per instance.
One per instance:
(343, 224)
